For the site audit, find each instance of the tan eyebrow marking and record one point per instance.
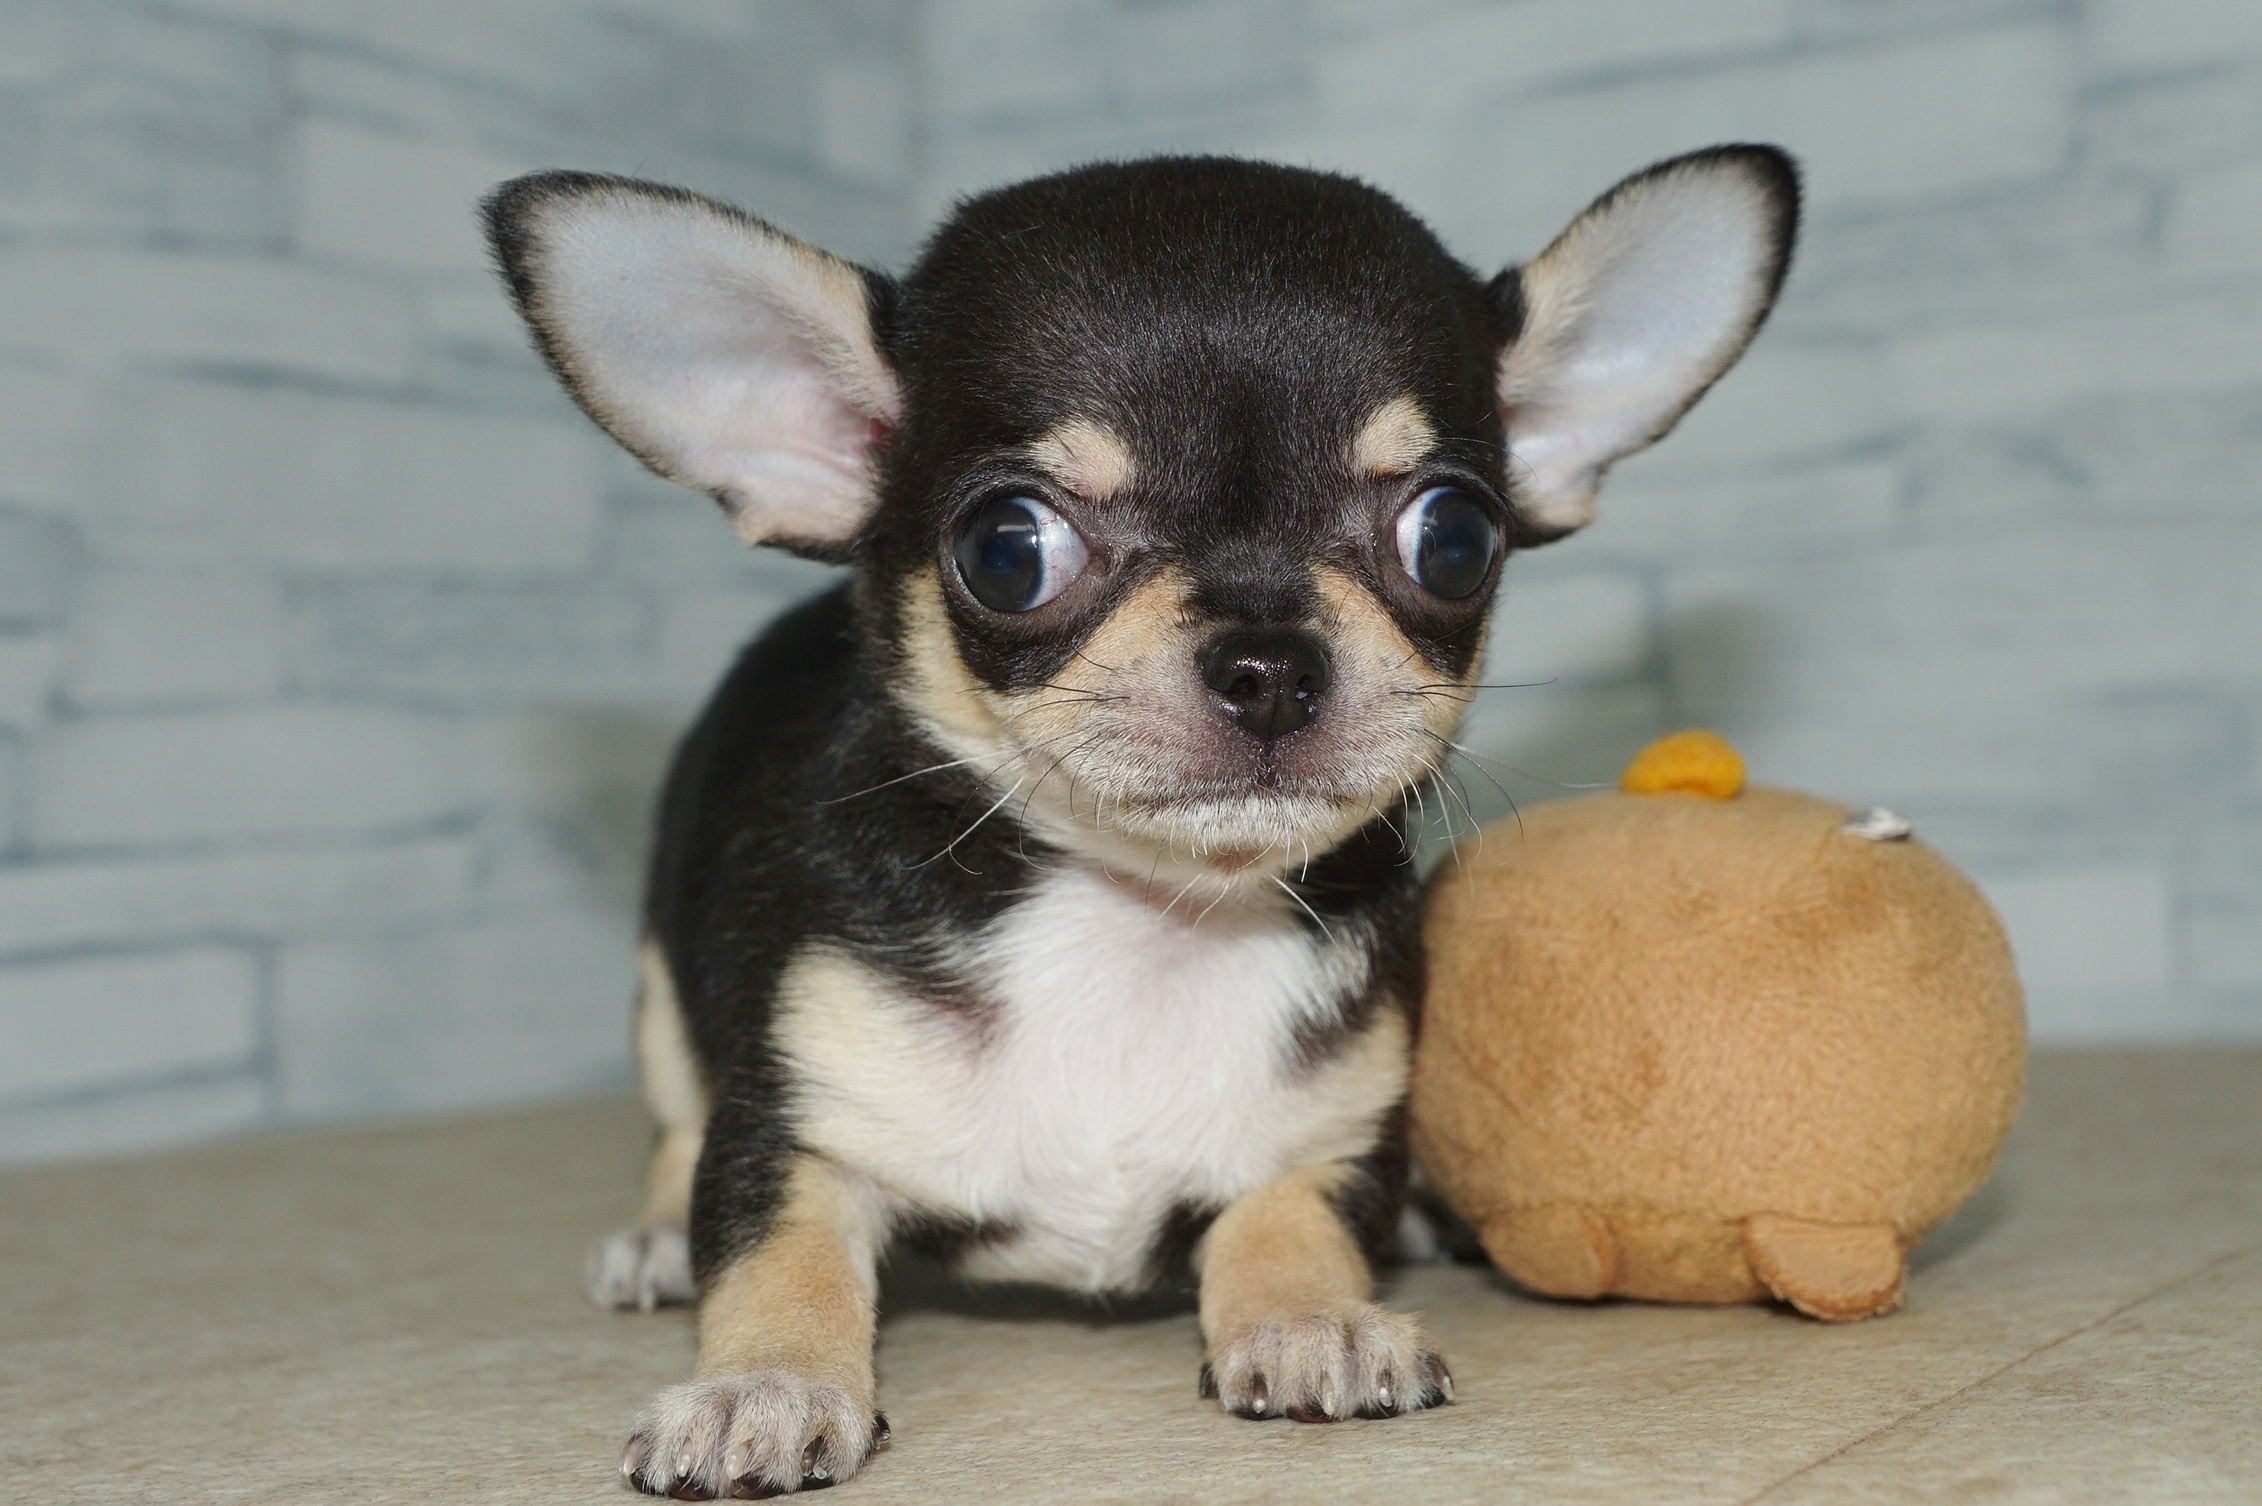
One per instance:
(1088, 458)
(1393, 440)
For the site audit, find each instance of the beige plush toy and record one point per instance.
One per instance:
(1693, 1042)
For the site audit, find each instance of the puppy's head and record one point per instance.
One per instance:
(1179, 489)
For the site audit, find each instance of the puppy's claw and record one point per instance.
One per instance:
(881, 1432)
(749, 1437)
(1359, 1360)
(1205, 1384)
(684, 1487)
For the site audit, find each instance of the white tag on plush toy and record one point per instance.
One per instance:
(1877, 824)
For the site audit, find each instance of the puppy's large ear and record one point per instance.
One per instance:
(1635, 310)
(724, 354)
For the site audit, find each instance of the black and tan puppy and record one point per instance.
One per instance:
(1042, 894)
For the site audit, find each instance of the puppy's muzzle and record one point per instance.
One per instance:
(1269, 681)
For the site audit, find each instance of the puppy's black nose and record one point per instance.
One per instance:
(1270, 678)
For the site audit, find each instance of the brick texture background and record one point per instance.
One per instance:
(337, 656)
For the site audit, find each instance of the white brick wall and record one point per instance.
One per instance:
(292, 524)
(253, 895)
(27, 678)
(299, 479)
(151, 636)
(37, 561)
(70, 1026)
(96, 303)
(370, 199)
(285, 771)
(337, 658)
(454, 1017)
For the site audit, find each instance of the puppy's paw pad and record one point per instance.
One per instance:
(749, 1437)
(640, 1268)
(1362, 1361)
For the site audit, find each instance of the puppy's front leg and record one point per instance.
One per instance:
(1287, 1314)
(783, 1398)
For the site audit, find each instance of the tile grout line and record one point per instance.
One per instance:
(1999, 1372)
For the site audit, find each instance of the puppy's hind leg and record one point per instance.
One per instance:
(648, 1264)
(1287, 1314)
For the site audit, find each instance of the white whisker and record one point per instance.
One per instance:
(935, 768)
(1290, 890)
(969, 831)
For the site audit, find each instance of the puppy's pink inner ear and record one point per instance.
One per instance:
(799, 470)
(725, 354)
(1634, 311)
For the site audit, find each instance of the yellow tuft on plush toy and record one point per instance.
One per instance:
(1693, 1042)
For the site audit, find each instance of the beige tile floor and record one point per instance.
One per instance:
(394, 1316)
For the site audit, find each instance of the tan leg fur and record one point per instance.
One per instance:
(667, 1181)
(648, 1264)
(1287, 1314)
(784, 1392)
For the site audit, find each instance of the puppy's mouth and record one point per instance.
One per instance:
(1270, 783)
(1141, 786)
(1232, 808)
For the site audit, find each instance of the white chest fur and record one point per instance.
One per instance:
(1133, 1059)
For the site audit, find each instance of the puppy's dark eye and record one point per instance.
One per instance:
(1015, 554)
(1447, 541)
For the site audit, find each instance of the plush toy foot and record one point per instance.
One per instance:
(1836, 1272)
(1556, 1249)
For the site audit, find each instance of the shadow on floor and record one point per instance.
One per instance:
(1965, 1227)
(916, 1283)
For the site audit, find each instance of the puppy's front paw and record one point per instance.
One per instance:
(749, 1437)
(640, 1268)
(1362, 1361)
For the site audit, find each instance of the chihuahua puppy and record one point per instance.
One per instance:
(1043, 895)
